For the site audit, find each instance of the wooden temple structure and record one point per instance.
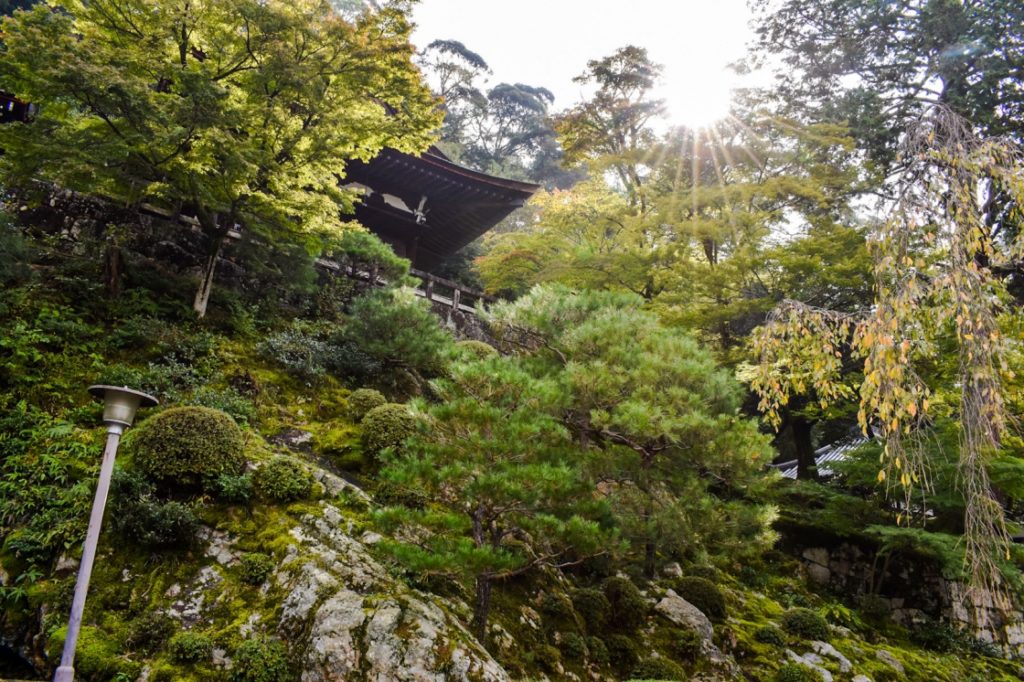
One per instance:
(427, 207)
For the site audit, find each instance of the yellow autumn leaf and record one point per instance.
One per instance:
(881, 475)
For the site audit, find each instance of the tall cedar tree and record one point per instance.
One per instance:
(243, 112)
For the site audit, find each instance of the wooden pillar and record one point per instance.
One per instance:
(429, 289)
(455, 298)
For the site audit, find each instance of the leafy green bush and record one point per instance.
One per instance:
(302, 350)
(387, 426)
(874, 607)
(703, 594)
(593, 607)
(362, 400)
(794, 672)
(686, 644)
(261, 660)
(190, 647)
(185, 445)
(658, 669)
(146, 520)
(282, 479)
(393, 495)
(398, 329)
(557, 607)
(573, 646)
(623, 652)
(598, 651)
(226, 400)
(628, 608)
(256, 568)
(148, 632)
(233, 488)
(806, 624)
(769, 634)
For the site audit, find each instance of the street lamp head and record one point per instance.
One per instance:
(120, 403)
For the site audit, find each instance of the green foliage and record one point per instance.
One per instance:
(623, 652)
(97, 657)
(190, 647)
(46, 466)
(233, 488)
(794, 672)
(15, 254)
(703, 594)
(362, 251)
(598, 651)
(282, 479)
(685, 645)
(397, 329)
(573, 646)
(226, 400)
(806, 624)
(148, 632)
(472, 349)
(387, 426)
(261, 660)
(362, 400)
(210, 132)
(301, 350)
(593, 607)
(770, 634)
(547, 657)
(628, 607)
(658, 669)
(146, 520)
(256, 568)
(184, 446)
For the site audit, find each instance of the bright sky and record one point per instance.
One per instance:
(548, 42)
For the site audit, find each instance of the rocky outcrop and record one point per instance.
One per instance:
(346, 619)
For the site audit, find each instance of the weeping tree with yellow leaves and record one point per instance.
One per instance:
(940, 266)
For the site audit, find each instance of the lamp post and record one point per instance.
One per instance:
(119, 407)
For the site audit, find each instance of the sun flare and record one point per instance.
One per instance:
(696, 97)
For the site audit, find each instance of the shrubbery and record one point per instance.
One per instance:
(190, 647)
(794, 672)
(806, 624)
(547, 657)
(233, 488)
(628, 607)
(769, 634)
(658, 669)
(472, 349)
(593, 607)
(598, 651)
(573, 646)
(387, 426)
(149, 631)
(362, 400)
(256, 568)
(623, 652)
(703, 594)
(261, 660)
(282, 479)
(146, 520)
(686, 644)
(185, 445)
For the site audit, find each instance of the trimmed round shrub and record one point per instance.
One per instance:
(628, 608)
(475, 350)
(806, 624)
(261, 660)
(658, 669)
(158, 525)
(256, 568)
(593, 607)
(573, 647)
(362, 400)
(769, 634)
(191, 647)
(282, 479)
(387, 426)
(185, 445)
(623, 652)
(794, 672)
(686, 644)
(598, 651)
(557, 607)
(703, 594)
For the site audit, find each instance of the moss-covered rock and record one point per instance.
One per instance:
(186, 445)
(806, 624)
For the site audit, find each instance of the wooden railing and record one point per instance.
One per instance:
(459, 296)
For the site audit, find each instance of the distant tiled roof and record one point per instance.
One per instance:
(836, 452)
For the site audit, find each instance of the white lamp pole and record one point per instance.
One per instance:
(119, 407)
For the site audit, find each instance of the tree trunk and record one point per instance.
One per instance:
(113, 267)
(805, 464)
(206, 276)
(482, 608)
